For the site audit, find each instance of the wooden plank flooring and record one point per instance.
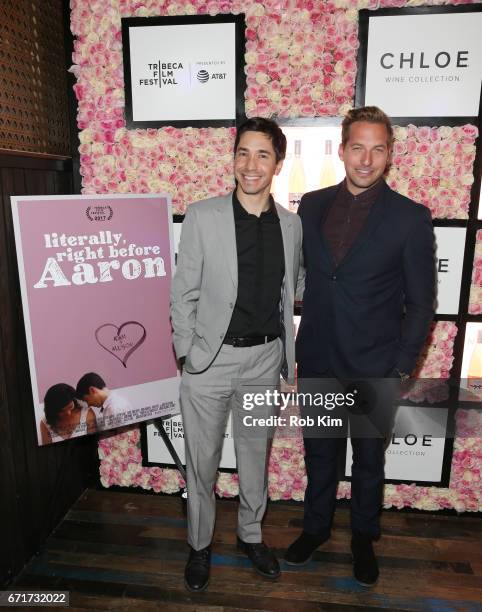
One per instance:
(127, 551)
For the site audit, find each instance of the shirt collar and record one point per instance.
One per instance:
(366, 197)
(241, 213)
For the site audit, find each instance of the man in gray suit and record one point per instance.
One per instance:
(232, 315)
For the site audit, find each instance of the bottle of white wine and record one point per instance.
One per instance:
(327, 174)
(297, 181)
(474, 374)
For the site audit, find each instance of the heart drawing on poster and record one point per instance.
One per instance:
(121, 341)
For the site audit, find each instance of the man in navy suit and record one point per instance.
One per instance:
(367, 307)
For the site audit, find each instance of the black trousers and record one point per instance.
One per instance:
(322, 449)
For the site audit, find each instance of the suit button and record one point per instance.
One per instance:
(221, 336)
(333, 277)
(231, 305)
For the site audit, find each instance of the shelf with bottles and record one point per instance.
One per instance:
(471, 373)
(311, 163)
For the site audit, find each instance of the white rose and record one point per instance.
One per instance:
(295, 49)
(445, 131)
(92, 37)
(256, 10)
(119, 133)
(344, 108)
(274, 95)
(339, 68)
(400, 133)
(467, 179)
(337, 86)
(262, 78)
(154, 184)
(250, 105)
(85, 136)
(317, 92)
(351, 16)
(173, 9)
(448, 161)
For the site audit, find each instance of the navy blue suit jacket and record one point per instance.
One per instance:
(372, 312)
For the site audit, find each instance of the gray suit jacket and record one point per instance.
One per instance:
(205, 286)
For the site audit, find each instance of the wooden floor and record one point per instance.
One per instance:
(126, 551)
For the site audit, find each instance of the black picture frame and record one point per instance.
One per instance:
(240, 78)
(360, 85)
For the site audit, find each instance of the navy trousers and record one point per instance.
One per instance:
(321, 460)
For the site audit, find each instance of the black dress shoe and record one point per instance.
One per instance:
(263, 560)
(365, 566)
(196, 574)
(302, 549)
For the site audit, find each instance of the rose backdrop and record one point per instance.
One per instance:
(300, 62)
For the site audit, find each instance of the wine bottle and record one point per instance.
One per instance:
(297, 181)
(474, 374)
(327, 174)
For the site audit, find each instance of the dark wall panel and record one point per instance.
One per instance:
(38, 485)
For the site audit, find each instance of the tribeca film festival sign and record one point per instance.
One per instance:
(180, 72)
(424, 65)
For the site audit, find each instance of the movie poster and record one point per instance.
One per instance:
(95, 275)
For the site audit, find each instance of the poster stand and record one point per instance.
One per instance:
(158, 424)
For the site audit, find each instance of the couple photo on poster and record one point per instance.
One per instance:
(90, 407)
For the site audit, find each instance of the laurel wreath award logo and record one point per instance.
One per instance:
(99, 213)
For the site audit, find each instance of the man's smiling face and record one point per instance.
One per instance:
(365, 155)
(255, 164)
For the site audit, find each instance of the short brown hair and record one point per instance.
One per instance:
(372, 114)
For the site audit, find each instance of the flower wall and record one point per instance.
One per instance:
(300, 62)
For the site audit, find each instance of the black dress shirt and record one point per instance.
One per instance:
(346, 217)
(259, 246)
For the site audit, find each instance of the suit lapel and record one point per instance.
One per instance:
(288, 246)
(320, 220)
(226, 233)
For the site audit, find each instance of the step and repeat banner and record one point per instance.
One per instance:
(422, 66)
(95, 270)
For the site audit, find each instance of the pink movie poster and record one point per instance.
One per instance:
(95, 274)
